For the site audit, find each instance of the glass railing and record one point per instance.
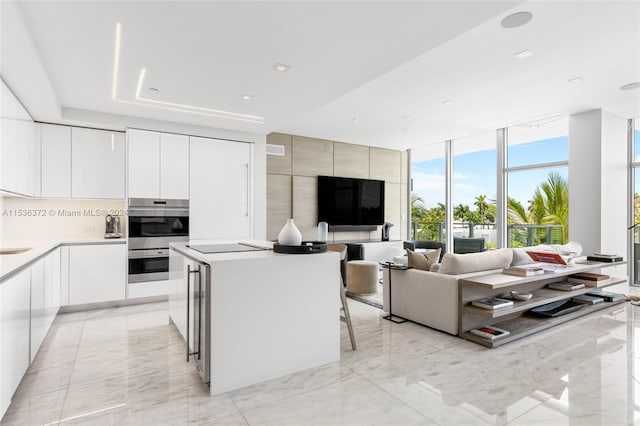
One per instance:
(519, 235)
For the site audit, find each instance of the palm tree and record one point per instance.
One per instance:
(550, 203)
(461, 212)
(516, 212)
(483, 210)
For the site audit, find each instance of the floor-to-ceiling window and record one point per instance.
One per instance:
(428, 192)
(537, 182)
(474, 188)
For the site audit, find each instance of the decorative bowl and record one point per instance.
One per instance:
(521, 296)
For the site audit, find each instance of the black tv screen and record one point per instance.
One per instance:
(348, 201)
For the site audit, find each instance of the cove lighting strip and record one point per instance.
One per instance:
(207, 111)
(170, 106)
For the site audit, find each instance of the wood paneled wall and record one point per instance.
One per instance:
(292, 182)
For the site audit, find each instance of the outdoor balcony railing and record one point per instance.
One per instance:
(519, 234)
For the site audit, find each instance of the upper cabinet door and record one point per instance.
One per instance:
(174, 166)
(143, 164)
(221, 189)
(97, 163)
(16, 144)
(56, 161)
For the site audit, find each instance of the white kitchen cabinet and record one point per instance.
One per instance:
(14, 334)
(143, 164)
(97, 273)
(158, 165)
(17, 144)
(39, 325)
(174, 166)
(52, 284)
(97, 163)
(178, 291)
(56, 161)
(221, 189)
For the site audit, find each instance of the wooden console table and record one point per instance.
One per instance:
(513, 319)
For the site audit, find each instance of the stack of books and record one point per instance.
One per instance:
(587, 278)
(608, 296)
(602, 257)
(565, 286)
(492, 303)
(489, 332)
(587, 300)
(524, 270)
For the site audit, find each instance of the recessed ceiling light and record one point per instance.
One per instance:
(281, 67)
(523, 54)
(405, 129)
(355, 120)
(576, 80)
(404, 116)
(153, 89)
(247, 97)
(630, 86)
(449, 102)
(516, 20)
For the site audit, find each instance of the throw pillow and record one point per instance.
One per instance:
(422, 261)
(455, 264)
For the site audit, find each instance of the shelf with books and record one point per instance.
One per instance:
(526, 325)
(500, 280)
(541, 296)
(517, 316)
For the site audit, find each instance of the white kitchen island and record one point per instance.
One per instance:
(268, 314)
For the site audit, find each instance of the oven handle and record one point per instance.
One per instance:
(161, 212)
(148, 253)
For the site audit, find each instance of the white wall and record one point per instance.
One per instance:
(584, 180)
(614, 187)
(37, 219)
(598, 193)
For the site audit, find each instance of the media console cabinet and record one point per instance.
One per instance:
(515, 319)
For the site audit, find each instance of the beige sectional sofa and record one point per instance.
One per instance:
(431, 297)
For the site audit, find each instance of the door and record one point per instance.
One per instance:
(56, 161)
(39, 324)
(14, 334)
(143, 164)
(199, 311)
(221, 189)
(97, 164)
(174, 166)
(96, 273)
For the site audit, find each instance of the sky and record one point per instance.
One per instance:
(475, 173)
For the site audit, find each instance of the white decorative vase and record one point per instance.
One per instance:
(323, 229)
(290, 235)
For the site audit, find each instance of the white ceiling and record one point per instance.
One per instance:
(391, 64)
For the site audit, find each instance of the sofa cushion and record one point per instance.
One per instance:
(455, 264)
(422, 261)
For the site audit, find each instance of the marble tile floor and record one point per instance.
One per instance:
(125, 366)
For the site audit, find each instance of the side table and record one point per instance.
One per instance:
(391, 266)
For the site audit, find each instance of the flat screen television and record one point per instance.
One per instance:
(348, 201)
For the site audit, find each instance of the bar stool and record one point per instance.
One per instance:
(344, 311)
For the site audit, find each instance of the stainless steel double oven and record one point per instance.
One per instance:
(153, 225)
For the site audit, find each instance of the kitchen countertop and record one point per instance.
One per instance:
(183, 248)
(13, 263)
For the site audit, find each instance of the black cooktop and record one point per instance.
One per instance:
(223, 248)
